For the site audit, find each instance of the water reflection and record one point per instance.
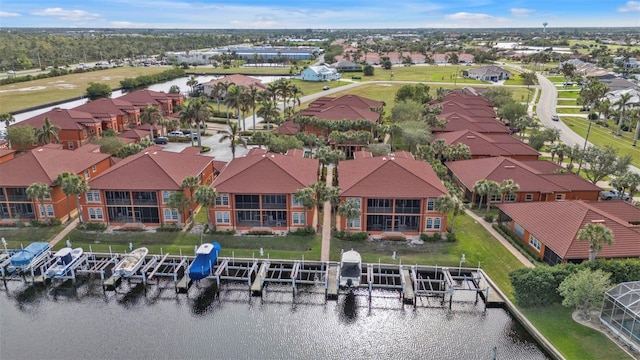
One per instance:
(132, 296)
(202, 304)
(349, 307)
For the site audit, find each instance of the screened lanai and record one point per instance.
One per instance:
(621, 312)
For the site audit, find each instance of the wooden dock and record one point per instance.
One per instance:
(493, 299)
(112, 282)
(182, 286)
(332, 281)
(407, 288)
(258, 283)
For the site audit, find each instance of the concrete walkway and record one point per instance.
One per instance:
(502, 240)
(61, 235)
(326, 221)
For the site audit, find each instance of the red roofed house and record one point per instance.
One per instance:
(236, 79)
(396, 194)
(551, 228)
(117, 114)
(346, 107)
(76, 127)
(137, 189)
(145, 98)
(256, 192)
(43, 165)
(469, 112)
(538, 180)
(489, 145)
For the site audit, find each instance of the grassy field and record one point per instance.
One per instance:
(36, 92)
(568, 94)
(567, 102)
(601, 136)
(570, 111)
(573, 340)
(418, 73)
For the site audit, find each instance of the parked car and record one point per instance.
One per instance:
(176, 134)
(325, 88)
(193, 136)
(555, 117)
(161, 140)
(613, 194)
(11, 72)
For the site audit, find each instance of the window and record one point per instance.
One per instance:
(510, 198)
(47, 196)
(95, 214)
(559, 197)
(86, 174)
(299, 218)
(518, 230)
(170, 214)
(528, 197)
(94, 168)
(354, 223)
(436, 223)
(356, 200)
(431, 204)
(48, 209)
(165, 196)
(93, 196)
(295, 202)
(71, 145)
(429, 223)
(84, 133)
(534, 242)
(222, 217)
(222, 200)
(495, 198)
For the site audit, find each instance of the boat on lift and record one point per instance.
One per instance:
(65, 259)
(350, 269)
(30, 255)
(131, 262)
(206, 257)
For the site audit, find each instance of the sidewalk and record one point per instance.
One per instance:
(502, 240)
(326, 221)
(61, 235)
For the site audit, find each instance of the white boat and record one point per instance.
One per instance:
(65, 259)
(131, 262)
(350, 269)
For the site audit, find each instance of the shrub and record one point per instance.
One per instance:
(513, 238)
(429, 237)
(260, 232)
(225, 232)
(451, 237)
(92, 226)
(305, 231)
(205, 149)
(489, 218)
(55, 222)
(37, 223)
(350, 236)
(168, 228)
(394, 238)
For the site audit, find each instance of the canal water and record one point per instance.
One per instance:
(83, 322)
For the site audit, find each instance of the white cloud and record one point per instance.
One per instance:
(630, 6)
(521, 11)
(465, 16)
(69, 15)
(129, 24)
(6, 14)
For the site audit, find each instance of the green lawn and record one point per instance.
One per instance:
(419, 73)
(567, 102)
(573, 94)
(573, 340)
(601, 136)
(42, 91)
(570, 111)
(15, 237)
(556, 79)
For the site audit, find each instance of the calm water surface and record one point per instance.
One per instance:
(82, 322)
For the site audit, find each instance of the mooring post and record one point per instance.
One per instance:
(450, 296)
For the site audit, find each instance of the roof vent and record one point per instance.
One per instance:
(146, 153)
(392, 158)
(471, 136)
(273, 156)
(155, 152)
(509, 167)
(40, 150)
(597, 221)
(384, 159)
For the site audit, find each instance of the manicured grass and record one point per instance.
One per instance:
(237, 70)
(27, 235)
(573, 94)
(556, 79)
(573, 340)
(601, 136)
(570, 111)
(36, 92)
(567, 102)
(419, 73)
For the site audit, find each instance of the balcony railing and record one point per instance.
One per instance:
(145, 202)
(118, 201)
(268, 223)
(18, 197)
(274, 206)
(407, 210)
(379, 210)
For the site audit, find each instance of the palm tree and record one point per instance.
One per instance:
(39, 191)
(179, 201)
(295, 92)
(268, 110)
(254, 96)
(481, 188)
(444, 204)
(196, 112)
(234, 99)
(206, 197)
(77, 186)
(233, 136)
(508, 187)
(7, 119)
(635, 115)
(349, 209)
(245, 105)
(190, 183)
(622, 106)
(192, 83)
(151, 115)
(224, 90)
(47, 132)
(62, 180)
(493, 188)
(458, 207)
(596, 234)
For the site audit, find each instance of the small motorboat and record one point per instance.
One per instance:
(350, 269)
(131, 262)
(24, 258)
(65, 259)
(206, 257)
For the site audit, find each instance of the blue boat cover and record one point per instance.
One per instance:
(203, 264)
(26, 255)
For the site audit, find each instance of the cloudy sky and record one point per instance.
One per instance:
(286, 14)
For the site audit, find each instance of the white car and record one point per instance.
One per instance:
(176, 134)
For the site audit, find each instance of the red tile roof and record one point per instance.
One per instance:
(152, 169)
(389, 177)
(487, 144)
(459, 122)
(64, 118)
(136, 134)
(362, 154)
(107, 108)
(45, 163)
(354, 101)
(239, 80)
(556, 224)
(288, 128)
(341, 112)
(524, 173)
(144, 98)
(267, 173)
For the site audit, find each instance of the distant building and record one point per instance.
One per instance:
(346, 66)
(319, 73)
(487, 73)
(235, 79)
